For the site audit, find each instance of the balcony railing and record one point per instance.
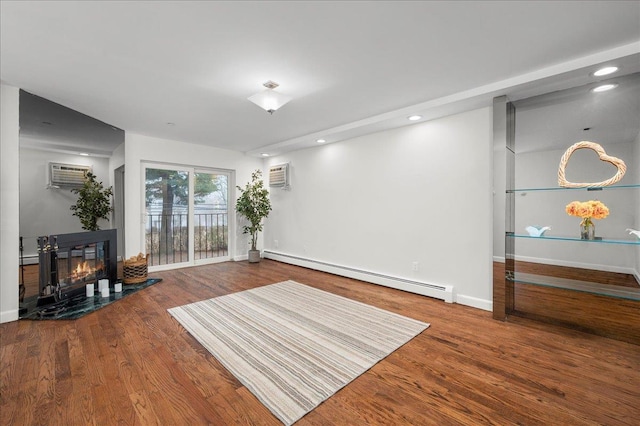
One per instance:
(167, 237)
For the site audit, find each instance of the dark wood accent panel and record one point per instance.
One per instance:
(605, 316)
(601, 315)
(590, 275)
(130, 363)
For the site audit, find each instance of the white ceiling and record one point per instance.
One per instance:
(351, 67)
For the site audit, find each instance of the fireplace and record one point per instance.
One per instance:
(68, 262)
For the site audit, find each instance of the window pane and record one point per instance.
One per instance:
(210, 215)
(167, 209)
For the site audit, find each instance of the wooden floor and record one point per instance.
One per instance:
(130, 363)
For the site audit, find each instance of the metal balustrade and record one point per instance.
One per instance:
(167, 237)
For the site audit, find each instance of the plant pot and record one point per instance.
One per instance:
(254, 256)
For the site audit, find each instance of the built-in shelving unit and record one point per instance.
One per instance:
(576, 285)
(598, 240)
(559, 188)
(514, 276)
(558, 277)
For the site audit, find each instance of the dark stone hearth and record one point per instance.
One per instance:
(79, 305)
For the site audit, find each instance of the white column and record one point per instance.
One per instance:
(9, 201)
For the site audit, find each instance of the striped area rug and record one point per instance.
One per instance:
(293, 346)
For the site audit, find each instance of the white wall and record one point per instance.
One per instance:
(9, 201)
(383, 201)
(115, 161)
(539, 169)
(47, 211)
(139, 148)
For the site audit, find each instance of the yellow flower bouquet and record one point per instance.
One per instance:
(587, 210)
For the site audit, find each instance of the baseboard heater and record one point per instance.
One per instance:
(442, 292)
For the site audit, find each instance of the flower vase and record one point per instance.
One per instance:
(587, 229)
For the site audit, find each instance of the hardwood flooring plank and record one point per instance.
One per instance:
(131, 363)
(145, 414)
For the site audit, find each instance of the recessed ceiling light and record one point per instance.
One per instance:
(84, 154)
(414, 117)
(605, 71)
(321, 141)
(47, 123)
(171, 124)
(604, 87)
(264, 154)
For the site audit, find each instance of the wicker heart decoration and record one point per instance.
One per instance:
(562, 181)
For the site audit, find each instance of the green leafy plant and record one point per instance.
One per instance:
(94, 203)
(254, 205)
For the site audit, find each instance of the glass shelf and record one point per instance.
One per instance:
(620, 292)
(634, 241)
(559, 188)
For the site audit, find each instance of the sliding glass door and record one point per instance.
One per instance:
(186, 216)
(211, 215)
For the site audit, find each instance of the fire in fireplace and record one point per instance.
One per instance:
(68, 262)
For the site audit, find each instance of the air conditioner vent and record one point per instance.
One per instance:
(279, 176)
(67, 175)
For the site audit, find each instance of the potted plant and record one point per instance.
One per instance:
(254, 205)
(94, 203)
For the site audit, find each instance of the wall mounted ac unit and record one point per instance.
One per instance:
(279, 176)
(67, 175)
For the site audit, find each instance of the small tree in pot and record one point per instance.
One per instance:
(254, 205)
(94, 203)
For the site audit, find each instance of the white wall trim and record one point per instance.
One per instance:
(498, 259)
(442, 292)
(8, 316)
(474, 302)
(240, 258)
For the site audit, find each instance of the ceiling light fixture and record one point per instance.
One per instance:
(604, 87)
(605, 71)
(264, 154)
(414, 117)
(321, 141)
(269, 99)
(84, 154)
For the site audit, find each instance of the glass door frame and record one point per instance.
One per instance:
(230, 216)
(192, 170)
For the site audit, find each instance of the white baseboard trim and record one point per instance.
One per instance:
(8, 316)
(443, 292)
(556, 262)
(498, 259)
(240, 258)
(636, 274)
(474, 302)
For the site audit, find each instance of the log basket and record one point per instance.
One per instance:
(135, 269)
